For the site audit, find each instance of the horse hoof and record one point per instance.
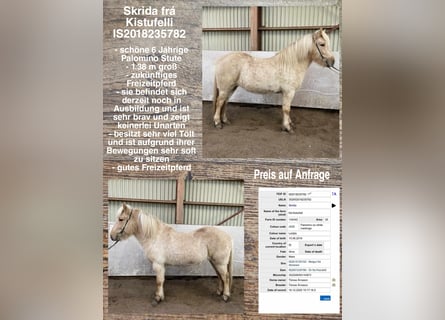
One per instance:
(227, 122)
(219, 292)
(219, 125)
(154, 303)
(289, 130)
(156, 300)
(225, 298)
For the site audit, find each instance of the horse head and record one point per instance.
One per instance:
(322, 53)
(125, 225)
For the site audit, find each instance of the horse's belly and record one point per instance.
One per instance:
(259, 80)
(187, 257)
(259, 86)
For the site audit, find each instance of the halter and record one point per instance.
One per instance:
(323, 58)
(122, 230)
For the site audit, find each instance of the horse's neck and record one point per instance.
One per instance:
(148, 230)
(294, 57)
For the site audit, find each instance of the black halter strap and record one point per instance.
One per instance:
(324, 59)
(321, 54)
(122, 230)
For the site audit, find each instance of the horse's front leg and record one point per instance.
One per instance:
(159, 269)
(287, 99)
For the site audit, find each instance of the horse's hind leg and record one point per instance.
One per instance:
(220, 289)
(220, 116)
(159, 269)
(225, 120)
(221, 270)
(219, 106)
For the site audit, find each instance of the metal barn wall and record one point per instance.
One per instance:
(164, 212)
(207, 191)
(159, 189)
(297, 16)
(210, 215)
(228, 17)
(217, 191)
(214, 191)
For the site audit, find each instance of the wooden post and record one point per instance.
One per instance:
(255, 24)
(180, 192)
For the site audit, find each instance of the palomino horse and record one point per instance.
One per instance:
(163, 245)
(284, 72)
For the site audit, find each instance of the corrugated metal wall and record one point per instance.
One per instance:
(226, 17)
(164, 212)
(297, 16)
(213, 191)
(223, 17)
(217, 191)
(160, 189)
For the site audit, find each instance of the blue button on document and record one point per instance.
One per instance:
(325, 298)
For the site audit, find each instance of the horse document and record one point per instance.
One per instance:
(298, 250)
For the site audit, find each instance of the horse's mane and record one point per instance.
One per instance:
(149, 224)
(295, 52)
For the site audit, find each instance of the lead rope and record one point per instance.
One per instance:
(334, 69)
(115, 243)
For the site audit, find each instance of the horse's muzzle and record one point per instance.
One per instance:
(114, 237)
(330, 62)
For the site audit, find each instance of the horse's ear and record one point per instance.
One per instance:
(124, 206)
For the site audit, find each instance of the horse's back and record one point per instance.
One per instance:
(211, 232)
(228, 68)
(233, 59)
(213, 236)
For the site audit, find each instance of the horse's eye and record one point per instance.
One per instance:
(120, 219)
(322, 44)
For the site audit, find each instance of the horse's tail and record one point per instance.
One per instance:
(215, 94)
